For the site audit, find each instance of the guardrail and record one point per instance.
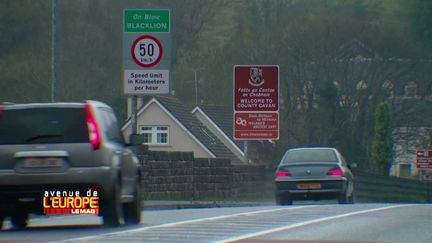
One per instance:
(377, 188)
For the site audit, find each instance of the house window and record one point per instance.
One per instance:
(411, 89)
(388, 87)
(361, 85)
(405, 170)
(155, 135)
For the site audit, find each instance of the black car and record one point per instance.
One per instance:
(313, 173)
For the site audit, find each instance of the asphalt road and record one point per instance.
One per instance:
(317, 223)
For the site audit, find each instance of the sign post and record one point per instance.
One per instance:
(256, 102)
(146, 54)
(146, 51)
(424, 164)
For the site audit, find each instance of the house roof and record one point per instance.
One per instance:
(196, 128)
(355, 49)
(411, 113)
(355, 62)
(222, 117)
(375, 72)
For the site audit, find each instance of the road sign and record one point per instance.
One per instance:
(427, 177)
(256, 102)
(146, 51)
(146, 81)
(424, 159)
(256, 126)
(146, 21)
(256, 88)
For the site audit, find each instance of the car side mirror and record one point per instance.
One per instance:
(352, 165)
(136, 139)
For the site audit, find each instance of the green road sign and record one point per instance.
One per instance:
(146, 21)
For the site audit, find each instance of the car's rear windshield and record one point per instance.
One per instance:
(42, 126)
(309, 155)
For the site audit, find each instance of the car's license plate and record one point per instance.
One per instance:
(309, 186)
(42, 162)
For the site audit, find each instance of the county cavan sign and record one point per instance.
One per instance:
(256, 102)
(146, 51)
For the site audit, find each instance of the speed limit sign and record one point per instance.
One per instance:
(146, 51)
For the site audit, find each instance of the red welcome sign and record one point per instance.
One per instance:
(256, 102)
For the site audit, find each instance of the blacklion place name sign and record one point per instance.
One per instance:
(146, 21)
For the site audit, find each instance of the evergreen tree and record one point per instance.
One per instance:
(381, 143)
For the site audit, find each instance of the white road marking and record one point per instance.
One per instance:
(292, 226)
(86, 238)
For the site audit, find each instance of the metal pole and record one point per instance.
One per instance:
(246, 151)
(428, 190)
(196, 83)
(53, 50)
(134, 114)
(196, 87)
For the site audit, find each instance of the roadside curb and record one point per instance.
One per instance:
(177, 204)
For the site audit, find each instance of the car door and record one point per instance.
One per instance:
(348, 173)
(344, 164)
(127, 164)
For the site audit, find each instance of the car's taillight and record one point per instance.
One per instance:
(282, 173)
(335, 171)
(92, 126)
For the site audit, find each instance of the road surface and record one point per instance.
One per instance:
(396, 223)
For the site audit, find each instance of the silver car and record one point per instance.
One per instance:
(313, 173)
(66, 147)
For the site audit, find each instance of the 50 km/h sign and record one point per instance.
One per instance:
(146, 51)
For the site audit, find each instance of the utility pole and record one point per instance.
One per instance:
(196, 83)
(53, 50)
(196, 87)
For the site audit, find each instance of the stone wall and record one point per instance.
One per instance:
(406, 142)
(252, 181)
(178, 175)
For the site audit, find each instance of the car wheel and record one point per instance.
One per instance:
(351, 198)
(113, 213)
(344, 198)
(132, 210)
(2, 218)
(19, 220)
(283, 199)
